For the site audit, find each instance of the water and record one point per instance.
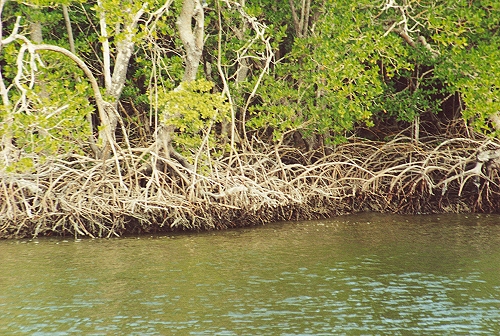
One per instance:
(368, 274)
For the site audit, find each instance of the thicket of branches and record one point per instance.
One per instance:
(81, 196)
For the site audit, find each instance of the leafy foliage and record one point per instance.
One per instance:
(192, 109)
(355, 62)
(468, 36)
(50, 117)
(329, 80)
(399, 60)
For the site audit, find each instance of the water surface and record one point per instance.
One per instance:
(363, 274)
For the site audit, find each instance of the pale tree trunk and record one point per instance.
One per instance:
(37, 38)
(69, 30)
(108, 120)
(301, 23)
(36, 32)
(192, 36)
(114, 79)
(6, 140)
(242, 70)
(124, 51)
(106, 53)
(3, 88)
(114, 82)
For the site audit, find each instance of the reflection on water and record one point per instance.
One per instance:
(360, 274)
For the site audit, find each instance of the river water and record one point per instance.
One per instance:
(364, 274)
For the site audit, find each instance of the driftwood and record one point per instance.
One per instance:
(82, 196)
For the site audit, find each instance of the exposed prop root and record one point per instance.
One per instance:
(81, 196)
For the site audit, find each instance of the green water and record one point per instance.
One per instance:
(368, 274)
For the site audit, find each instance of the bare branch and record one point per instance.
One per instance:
(12, 36)
(402, 27)
(106, 53)
(69, 30)
(296, 22)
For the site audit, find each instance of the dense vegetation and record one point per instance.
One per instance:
(123, 116)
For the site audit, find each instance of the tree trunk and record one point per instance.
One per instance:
(6, 143)
(106, 53)
(3, 88)
(301, 24)
(124, 51)
(69, 30)
(36, 32)
(115, 83)
(242, 70)
(192, 39)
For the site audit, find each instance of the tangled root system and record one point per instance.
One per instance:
(81, 196)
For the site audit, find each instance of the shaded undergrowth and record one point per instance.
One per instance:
(130, 193)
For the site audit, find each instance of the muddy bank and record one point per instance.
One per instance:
(81, 196)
